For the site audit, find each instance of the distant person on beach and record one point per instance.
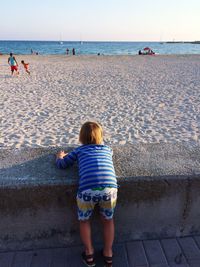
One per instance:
(13, 64)
(97, 187)
(34, 52)
(67, 51)
(73, 51)
(26, 66)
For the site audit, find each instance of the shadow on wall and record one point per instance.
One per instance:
(38, 201)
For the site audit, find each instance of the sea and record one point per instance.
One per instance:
(94, 48)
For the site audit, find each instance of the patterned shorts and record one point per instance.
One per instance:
(106, 198)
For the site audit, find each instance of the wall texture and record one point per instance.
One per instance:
(159, 195)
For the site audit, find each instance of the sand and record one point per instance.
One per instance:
(136, 98)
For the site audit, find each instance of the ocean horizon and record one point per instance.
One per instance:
(95, 47)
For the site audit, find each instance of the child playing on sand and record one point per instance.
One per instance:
(26, 66)
(97, 186)
(13, 64)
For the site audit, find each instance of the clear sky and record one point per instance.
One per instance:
(100, 20)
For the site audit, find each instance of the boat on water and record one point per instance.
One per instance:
(60, 41)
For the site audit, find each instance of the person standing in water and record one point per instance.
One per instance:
(13, 63)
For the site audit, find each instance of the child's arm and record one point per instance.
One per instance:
(63, 160)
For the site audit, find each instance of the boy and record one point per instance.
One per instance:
(26, 66)
(97, 186)
(13, 64)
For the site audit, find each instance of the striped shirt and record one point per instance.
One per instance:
(95, 166)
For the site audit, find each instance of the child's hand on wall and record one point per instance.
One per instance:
(61, 154)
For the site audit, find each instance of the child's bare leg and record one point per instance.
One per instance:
(28, 72)
(85, 233)
(108, 236)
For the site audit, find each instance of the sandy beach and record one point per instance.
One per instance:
(136, 98)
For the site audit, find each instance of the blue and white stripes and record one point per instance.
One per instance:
(95, 166)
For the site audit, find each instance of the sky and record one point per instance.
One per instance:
(100, 20)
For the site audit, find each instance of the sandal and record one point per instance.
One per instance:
(107, 260)
(88, 260)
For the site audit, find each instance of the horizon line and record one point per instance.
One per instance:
(116, 41)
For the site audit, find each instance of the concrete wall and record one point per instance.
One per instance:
(159, 195)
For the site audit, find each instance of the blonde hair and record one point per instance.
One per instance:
(91, 133)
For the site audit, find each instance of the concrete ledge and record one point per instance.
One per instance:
(159, 195)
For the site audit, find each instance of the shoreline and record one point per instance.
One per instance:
(101, 55)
